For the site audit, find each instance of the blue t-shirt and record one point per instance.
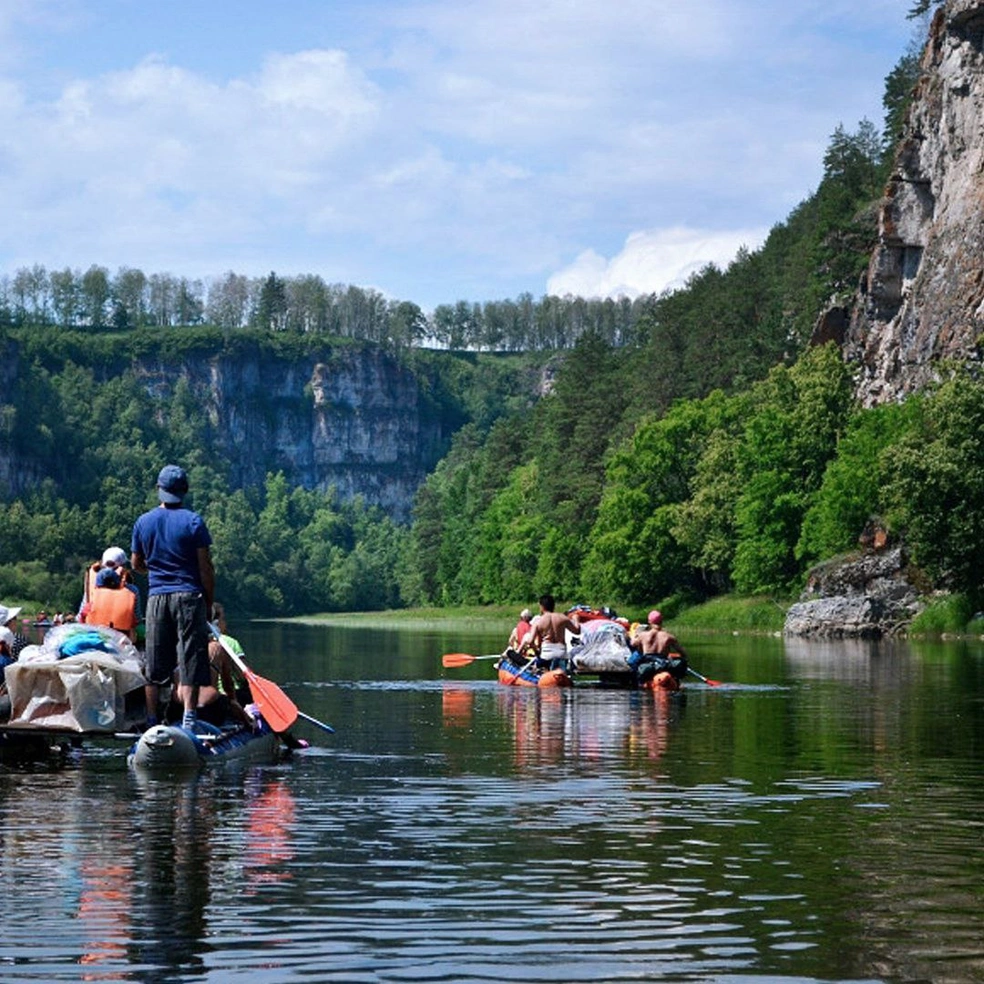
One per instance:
(169, 540)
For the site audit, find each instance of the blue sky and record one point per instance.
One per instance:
(436, 150)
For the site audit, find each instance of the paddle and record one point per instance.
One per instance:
(320, 724)
(276, 707)
(521, 671)
(700, 676)
(463, 659)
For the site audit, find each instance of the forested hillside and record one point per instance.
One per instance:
(87, 420)
(664, 450)
(724, 450)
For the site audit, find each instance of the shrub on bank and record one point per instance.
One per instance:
(952, 614)
(731, 613)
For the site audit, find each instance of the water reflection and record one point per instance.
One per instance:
(173, 837)
(116, 874)
(457, 706)
(551, 726)
(816, 819)
(855, 661)
(203, 842)
(271, 813)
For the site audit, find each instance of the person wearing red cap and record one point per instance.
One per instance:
(654, 640)
(653, 646)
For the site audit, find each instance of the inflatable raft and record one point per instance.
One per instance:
(516, 671)
(602, 652)
(169, 746)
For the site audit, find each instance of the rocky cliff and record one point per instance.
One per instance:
(863, 597)
(18, 472)
(922, 299)
(352, 418)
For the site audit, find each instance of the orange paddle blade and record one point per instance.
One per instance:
(702, 678)
(277, 708)
(457, 659)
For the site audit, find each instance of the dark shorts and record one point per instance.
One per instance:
(177, 638)
(215, 711)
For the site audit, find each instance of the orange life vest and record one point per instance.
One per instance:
(115, 607)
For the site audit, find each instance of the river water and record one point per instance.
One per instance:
(816, 818)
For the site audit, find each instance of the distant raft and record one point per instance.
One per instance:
(603, 654)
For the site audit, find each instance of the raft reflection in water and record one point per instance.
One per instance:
(550, 726)
(140, 871)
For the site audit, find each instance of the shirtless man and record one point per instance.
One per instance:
(654, 640)
(550, 633)
(657, 651)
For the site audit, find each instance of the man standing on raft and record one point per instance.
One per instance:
(171, 544)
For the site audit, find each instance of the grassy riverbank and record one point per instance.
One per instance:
(480, 616)
(731, 613)
(726, 614)
(948, 615)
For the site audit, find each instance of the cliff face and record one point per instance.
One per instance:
(922, 300)
(18, 473)
(354, 419)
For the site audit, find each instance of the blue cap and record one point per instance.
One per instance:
(107, 578)
(172, 484)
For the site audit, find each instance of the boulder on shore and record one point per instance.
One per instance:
(864, 596)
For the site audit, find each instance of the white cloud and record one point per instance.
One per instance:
(155, 155)
(441, 148)
(651, 262)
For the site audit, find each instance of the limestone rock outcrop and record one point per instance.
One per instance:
(922, 299)
(866, 596)
(355, 419)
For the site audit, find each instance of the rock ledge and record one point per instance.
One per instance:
(864, 596)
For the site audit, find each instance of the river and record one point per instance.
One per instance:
(818, 817)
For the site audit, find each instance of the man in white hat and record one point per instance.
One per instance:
(8, 620)
(113, 558)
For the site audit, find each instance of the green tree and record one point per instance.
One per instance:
(271, 308)
(65, 301)
(508, 541)
(95, 296)
(129, 292)
(706, 526)
(936, 474)
(852, 488)
(785, 448)
(846, 217)
(921, 7)
(634, 554)
(899, 86)
(572, 431)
